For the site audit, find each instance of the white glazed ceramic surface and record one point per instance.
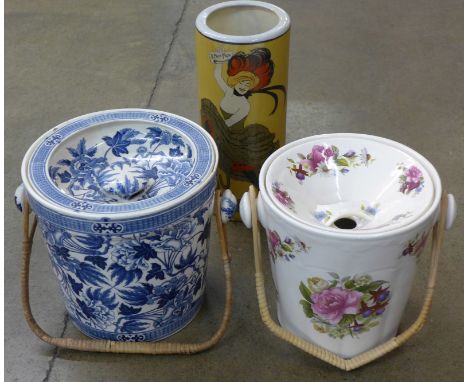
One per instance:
(345, 289)
(243, 22)
(377, 183)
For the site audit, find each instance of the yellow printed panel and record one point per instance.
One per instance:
(242, 99)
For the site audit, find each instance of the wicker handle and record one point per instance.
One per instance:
(326, 355)
(108, 346)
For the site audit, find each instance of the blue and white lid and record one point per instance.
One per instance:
(119, 162)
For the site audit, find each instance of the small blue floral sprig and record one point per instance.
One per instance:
(323, 216)
(286, 249)
(370, 209)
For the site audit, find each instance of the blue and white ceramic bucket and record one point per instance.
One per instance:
(124, 200)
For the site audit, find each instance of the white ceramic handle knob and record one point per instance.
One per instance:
(19, 195)
(451, 211)
(228, 206)
(244, 209)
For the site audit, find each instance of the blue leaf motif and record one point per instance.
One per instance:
(205, 234)
(106, 296)
(145, 250)
(74, 152)
(150, 173)
(64, 176)
(64, 162)
(137, 295)
(98, 307)
(53, 171)
(177, 140)
(138, 141)
(184, 262)
(118, 143)
(109, 141)
(199, 215)
(128, 310)
(81, 148)
(77, 287)
(121, 275)
(157, 135)
(90, 275)
(154, 134)
(92, 151)
(198, 285)
(175, 152)
(166, 137)
(99, 261)
(61, 254)
(155, 272)
(168, 292)
(128, 133)
(91, 241)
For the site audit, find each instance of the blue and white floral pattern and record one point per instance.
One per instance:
(130, 165)
(228, 206)
(19, 192)
(134, 287)
(99, 162)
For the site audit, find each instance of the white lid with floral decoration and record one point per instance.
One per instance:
(361, 183)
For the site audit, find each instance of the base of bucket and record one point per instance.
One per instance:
(148, 336)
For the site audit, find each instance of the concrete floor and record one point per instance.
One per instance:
(389, 68)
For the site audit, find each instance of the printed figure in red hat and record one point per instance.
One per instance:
(243, 149)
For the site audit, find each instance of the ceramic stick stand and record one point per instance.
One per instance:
(242, 50)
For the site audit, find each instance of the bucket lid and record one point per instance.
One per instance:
(119, 162)
(353, 182)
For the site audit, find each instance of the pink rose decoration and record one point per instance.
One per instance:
(274, 238)
(413, 174)
(318, 155)
(282, 197)
(332, 303)
(412, 180)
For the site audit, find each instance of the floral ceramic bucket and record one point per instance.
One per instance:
(347, 217)
(124, 200)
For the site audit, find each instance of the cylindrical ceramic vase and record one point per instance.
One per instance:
(242, 52)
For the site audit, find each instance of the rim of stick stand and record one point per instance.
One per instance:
(107, 346)
(320, 352)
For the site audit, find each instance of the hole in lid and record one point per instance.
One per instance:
(345, 223)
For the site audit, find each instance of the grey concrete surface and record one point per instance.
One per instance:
(388, 68)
